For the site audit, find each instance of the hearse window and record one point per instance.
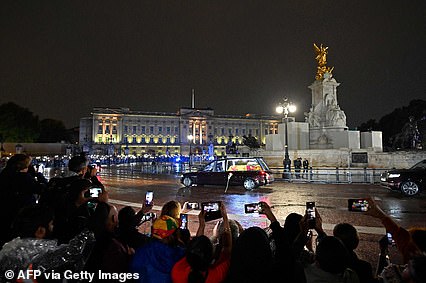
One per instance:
(209, 167)
(220, 166)
(244, 165)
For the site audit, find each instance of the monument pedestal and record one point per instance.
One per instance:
(333, 138)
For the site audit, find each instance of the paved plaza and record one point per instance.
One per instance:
(128, 188)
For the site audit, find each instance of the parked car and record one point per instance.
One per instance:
(250, 172)
(408, 181)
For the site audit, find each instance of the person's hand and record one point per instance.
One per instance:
(146, 208)
(373, 209)
(304, 225)
(318, 222)
(103, 196)
(82, 199)
(201, 217)
(266, 209)
(223, 211)
(310, 242)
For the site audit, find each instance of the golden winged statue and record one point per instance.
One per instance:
(321, 58)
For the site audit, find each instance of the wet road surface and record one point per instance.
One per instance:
(128, 187)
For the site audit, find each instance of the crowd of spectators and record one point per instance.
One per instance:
(58, 225)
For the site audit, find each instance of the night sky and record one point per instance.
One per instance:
(62, 58)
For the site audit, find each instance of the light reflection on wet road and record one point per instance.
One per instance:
(331, 202)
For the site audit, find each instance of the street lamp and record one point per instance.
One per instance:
(190, 138)
(285, 108)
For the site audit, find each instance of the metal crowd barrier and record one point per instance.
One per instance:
(312, 175)
(331, 175)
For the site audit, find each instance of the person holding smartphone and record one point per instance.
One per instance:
(199, 255)
(404, 241)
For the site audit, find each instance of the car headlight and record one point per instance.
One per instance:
(394, 175)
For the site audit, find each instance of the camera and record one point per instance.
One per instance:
(183, 221)
(359, 205)
(93, 193)
(193, 205)
(253, 208)
(149, 196)
(310, 211)
(212, 210)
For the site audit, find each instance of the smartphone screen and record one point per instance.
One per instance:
(94, 192)
(193, 205)
(149, 196)
(357, 205)
(310, 211)
(252, 208)
(184, 221)
(212, 210)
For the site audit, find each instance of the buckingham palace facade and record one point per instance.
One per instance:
(123, 131)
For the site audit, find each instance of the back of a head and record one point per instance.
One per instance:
(77, 163)
(127, 219)
(76, 187)
(29, 219)
(417, 269)
(199, 254)
(172, 209)
(332, 255)
(18, 162)
(419, 237)
(99, 218)
(251, 256)
(291, 225)
(347, 234)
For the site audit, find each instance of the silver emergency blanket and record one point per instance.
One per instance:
(46, 255)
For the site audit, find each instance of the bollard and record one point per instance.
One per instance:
(337, 174)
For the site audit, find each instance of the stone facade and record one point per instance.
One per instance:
(343, 158)
(121, 130)
(325, 126)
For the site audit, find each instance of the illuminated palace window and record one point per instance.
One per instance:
(149, 130)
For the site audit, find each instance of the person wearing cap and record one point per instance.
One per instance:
(154, 261)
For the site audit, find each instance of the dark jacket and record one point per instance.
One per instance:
(17, 189)
(154, 262)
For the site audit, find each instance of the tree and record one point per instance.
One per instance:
(52, 131)
(392, 124)
(18, 124)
